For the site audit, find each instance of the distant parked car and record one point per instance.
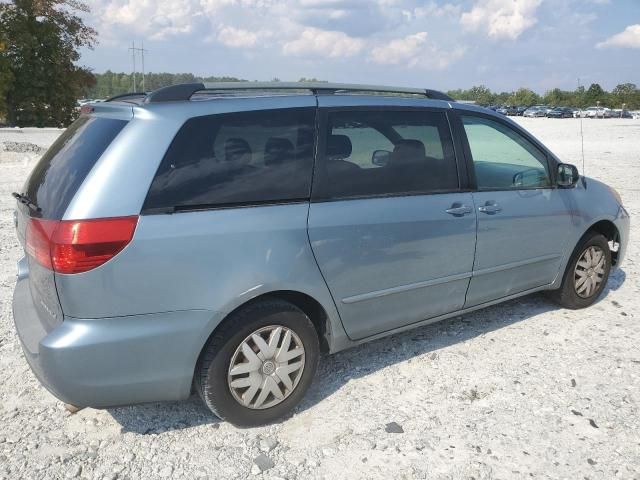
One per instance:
(512, 110)
(519, 110)
(620, 113)
(560, 112)
(537, 111)
(596, 112)
(506, 110)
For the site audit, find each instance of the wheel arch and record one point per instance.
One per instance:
(609, 230)
(305, 302)
(309, 305)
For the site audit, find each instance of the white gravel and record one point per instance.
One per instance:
(520, 390)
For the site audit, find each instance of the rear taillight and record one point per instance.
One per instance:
(76, 246)
(38, 241)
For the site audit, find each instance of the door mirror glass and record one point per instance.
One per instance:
(567, 175)
(381, 158)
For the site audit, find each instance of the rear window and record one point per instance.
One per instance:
(60, 172)
(244, 158)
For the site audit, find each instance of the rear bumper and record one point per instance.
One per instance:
(112, 361)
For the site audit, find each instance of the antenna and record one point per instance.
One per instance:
(581, 134)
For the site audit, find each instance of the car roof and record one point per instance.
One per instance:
(195, 99)
(203, 91)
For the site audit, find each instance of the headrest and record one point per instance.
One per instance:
(408, 150)
(235, 147)
(278, 150)
(339, 147)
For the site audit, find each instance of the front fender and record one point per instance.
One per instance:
(591, 202)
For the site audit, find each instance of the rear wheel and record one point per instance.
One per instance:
(259, 363)
(586, 274)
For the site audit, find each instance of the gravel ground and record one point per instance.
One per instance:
(520, 390)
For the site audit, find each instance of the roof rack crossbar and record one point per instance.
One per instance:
(186, 90)
(126, 95)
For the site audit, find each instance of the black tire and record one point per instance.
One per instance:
(213, 366)
(567, 295)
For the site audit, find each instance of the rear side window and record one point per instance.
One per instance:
(235, 159)
(62, 169)
(373, 153)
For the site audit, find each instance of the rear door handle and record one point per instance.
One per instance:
(458, 210)
(490, 208)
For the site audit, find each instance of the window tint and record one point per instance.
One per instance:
(502, 158)
(62, 169)
(385, 153)
(239, 158)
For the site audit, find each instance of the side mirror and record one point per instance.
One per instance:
(567, 175)
(381, 158)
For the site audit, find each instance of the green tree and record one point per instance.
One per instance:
(626, 93)
(43, 38)
(526, 97)
(6, 79)
(481, 95)
(595, 94)
(557, 97)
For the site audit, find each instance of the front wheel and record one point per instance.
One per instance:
(258, 364)
(586, 274)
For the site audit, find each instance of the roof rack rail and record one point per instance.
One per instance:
(126, 95)
(185, 91)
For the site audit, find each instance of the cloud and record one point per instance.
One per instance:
(629, 38)
(501, 18)
(415, 51)
(237, 37)
(400, 50)
(314, 29)
(162, 19)
(434, 10)
(158, 20)
(327, 43)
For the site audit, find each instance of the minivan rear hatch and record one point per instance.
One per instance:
(51, 186)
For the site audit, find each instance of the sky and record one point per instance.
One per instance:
(503, 44)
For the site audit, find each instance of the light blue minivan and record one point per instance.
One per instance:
(220, 237)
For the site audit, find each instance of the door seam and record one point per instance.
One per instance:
(475, 249)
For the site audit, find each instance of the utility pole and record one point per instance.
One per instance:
(133, 57)
(142, 54)
(134, 51)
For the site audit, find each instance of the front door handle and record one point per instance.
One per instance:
(490, 208)
(458, 210)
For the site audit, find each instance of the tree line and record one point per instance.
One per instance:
(109, 84)
(626, 94)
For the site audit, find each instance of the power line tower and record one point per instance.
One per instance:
(134, 51)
